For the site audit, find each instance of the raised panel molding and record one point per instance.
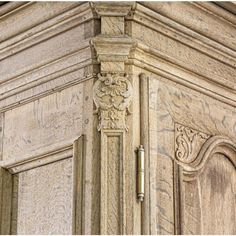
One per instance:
(73, 151)
(193, 151)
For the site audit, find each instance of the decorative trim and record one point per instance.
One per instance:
(183, 77)
(215, 144)
(112, 97)
(70, 18)
(194, 148)
(188, 143)
(113, 200)
(112, 48)
(72, 149)
(109, 9)
(191, 37)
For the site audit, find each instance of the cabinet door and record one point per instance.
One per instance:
(190, 161)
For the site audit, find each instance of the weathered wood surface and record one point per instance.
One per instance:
(209, 201)
(5, 201)
(49, 68)
(44, 122)
(45, 199)
(168, 104)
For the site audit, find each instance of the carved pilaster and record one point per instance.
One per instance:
(112, 93)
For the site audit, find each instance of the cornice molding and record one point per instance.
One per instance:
(141, 48)
(184, 77)
(185, 35)
(228, 6)
(11, 7)
(47, 29)
(217, 10)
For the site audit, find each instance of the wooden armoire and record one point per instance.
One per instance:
(117, 117)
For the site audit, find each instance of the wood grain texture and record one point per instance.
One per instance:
(218, 196)
(170, 103)
(44, 122)
(45, 199)
(191, 16)
(5, 201)
(1, 134)
(112, 183)
(161, 135)
(182, 57)
(14, 204)
(78, 208)
(209, 200)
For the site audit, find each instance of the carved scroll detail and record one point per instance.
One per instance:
(188, 143)
(112, 97)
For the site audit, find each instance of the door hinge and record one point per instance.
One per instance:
(140, 174)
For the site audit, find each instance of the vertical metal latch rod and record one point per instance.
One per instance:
(140, 187)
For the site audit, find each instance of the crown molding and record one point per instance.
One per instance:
(229, 6)
(185, 35)
(158, 21)
(47, 29)
(11, 7)
(152, 62)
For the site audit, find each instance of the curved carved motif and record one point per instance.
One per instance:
(112, 97)
(188, 143)
(214, 145)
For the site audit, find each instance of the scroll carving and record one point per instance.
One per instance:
(112, 97)
(188, 143)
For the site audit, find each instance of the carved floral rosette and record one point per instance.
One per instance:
(112, 97)
(188, 143)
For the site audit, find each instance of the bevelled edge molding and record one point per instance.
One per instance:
(155, 62)
(112, 97)
(112, 48)
(10, 7)
(57, 24)
(180, 32)
(188, 143)
(214, 145)
(193, 149)
(38, 158)
(112, 8)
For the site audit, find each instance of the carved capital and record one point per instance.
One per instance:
(112, 97)
(188, 143)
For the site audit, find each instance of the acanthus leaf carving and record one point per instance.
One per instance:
(112, 98)
(188, 143)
